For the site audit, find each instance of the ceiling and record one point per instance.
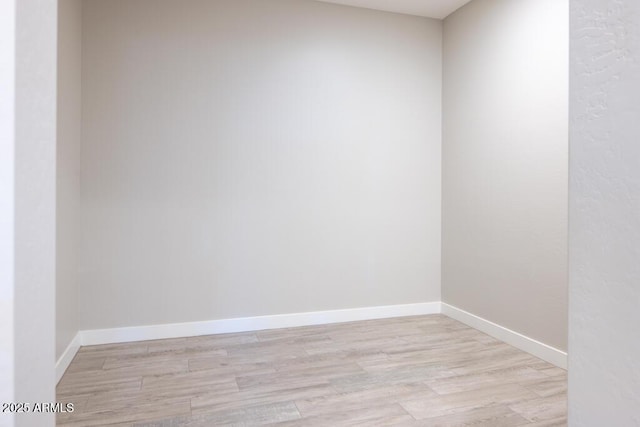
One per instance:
(438, 9)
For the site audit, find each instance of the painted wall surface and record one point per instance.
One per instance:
(246, 158)
(68, 170)
(7, 205)
(604, 244)
(438, 9)
(505, 162)
(34, 163)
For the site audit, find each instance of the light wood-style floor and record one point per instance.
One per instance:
(415, 371)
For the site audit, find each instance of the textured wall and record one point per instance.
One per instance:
(256, 157)
(68, 170)
(34, 186)
(505, 163)
(604, 342)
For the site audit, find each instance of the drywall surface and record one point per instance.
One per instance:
(505, 150)
(7, 205)
(604, 244)
(247, 158)
(68, 170)
(438, 9)
(34, 160)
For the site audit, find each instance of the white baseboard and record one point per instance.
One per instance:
(69, 353)
(247, 324)
(524, 343)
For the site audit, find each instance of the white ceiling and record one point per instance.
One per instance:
(438, 9)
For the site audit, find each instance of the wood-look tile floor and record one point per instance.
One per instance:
(412, 371)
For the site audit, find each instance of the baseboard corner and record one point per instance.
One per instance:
(67, 356)
(536, 348)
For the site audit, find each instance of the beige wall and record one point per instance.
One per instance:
(256, 157)
(68, 170)
(505, 164)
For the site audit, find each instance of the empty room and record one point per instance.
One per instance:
(319, 213)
